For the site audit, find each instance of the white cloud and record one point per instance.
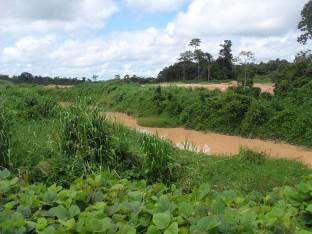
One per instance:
(21, 17)
(243, 17)
(143, 52)
(28, 49)
(55, 37)
(154, 5)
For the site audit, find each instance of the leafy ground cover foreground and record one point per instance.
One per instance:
(103, 204)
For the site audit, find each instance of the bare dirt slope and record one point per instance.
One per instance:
(217, 144)
(222, 86)
(58, 86)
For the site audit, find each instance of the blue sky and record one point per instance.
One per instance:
(108, 37)
(130, 20)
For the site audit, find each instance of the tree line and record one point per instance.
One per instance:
(29, 78)
(196, 64)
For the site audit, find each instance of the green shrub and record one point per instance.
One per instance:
(250, 156)
(257, 114)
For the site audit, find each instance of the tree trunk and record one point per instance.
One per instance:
(198, 70)
(208, 72)
(245, 75)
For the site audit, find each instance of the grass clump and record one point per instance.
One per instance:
(159, 159)
(4, 137)
(88, 136)
(39, 107)
(90, 141)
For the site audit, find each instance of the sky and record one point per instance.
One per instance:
(76, 38)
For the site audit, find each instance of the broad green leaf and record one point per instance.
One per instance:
(60, 212)
(74, 211)
(98, 196)
(309, 208)
(163, 205)
(204, 190)
(10, 205)
(304, 232)
(206, 225)
(69, 224)
(135, 195)
(117, 187)
(4, 174)
(99, 206)
(100, 225)
(126, 229)
(49, 230)
(152, 229)
(41, 224)
(162, 220)
(172, 229)
(50, 197)
(185, 209)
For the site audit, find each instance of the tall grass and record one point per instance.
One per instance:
(38, 107)
(159, 159)
(87, 135)
(4, 137)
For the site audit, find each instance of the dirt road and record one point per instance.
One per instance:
(218, 144)
(222, 86)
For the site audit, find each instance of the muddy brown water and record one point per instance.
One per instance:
(268, 88)
(218, 144)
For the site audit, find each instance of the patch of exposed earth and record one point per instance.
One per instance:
(217, 144)
(268, 88)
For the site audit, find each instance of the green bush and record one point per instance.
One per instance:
(257, 115)
(250, 156)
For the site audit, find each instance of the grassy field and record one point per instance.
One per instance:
(66, 169)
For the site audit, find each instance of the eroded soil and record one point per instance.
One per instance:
(218, 144)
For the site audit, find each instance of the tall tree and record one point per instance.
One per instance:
(225, 59)
(185, 57)
(245, 58)
(195, 43)
(208, 59)
(204, 60)
(305, 25)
